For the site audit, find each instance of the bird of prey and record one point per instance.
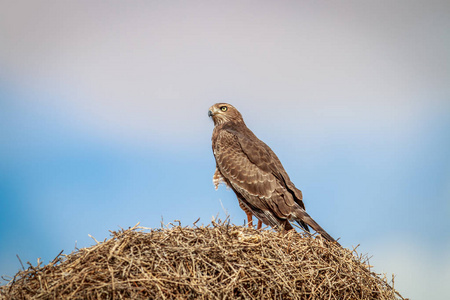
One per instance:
(253, 171)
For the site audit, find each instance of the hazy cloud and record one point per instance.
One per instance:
(145, 67)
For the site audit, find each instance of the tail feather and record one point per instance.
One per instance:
(302, 216)
(303, 225)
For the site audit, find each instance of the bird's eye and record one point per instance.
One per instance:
(223, 108)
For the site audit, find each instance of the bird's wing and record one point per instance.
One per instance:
(257, 185)
(262, 156)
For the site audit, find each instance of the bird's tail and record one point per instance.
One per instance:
(304, 217)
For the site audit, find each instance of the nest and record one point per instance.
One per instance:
(218, 261)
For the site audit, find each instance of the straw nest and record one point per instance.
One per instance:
(218, 261)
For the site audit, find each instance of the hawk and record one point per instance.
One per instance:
(255, 174)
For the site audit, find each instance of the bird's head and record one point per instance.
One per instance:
(224, 112)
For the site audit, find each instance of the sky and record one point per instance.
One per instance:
(103, 121)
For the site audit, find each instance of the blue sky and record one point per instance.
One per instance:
(103, 115)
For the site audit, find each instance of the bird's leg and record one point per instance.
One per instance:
(250, 220)
(259, 224)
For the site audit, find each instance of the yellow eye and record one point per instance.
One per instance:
(223, 108)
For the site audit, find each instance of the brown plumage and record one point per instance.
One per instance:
(253, 171)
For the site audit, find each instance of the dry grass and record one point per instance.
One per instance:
(218, 261)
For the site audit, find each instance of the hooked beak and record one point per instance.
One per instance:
(210, 113)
